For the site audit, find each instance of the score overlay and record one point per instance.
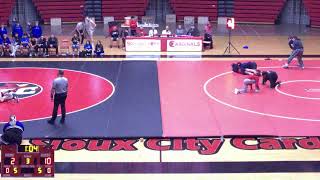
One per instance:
(27, 161)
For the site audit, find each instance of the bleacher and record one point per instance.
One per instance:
(6, 10)
(67, 10)
(313, 9)
(195, 8)
(257, 11)
(122, 8)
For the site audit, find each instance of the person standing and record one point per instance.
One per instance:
(297, 51)
(59, 93)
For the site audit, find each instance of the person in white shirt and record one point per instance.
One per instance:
(166, 31)
(153, 32)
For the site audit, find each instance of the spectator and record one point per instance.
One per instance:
(193, 31)
(153, 32)
(166, 32)
(25, 42)
(141, 32)
(29, 29)
(13, 26)
(90, 26)
(115, 36)
(33, 47)
(1, 47)
(43, 44)
(15, 44)
(124, 34)
(36, 30)
(80, 28)
(99, 52)
(75, 44)
(133, 26)
(88, 48)
(53, 43)
(208, 29)
(12, 132)
(3, 30)
(6, 43)
(180, 31)
(18, 30)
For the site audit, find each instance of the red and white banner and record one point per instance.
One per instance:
(144, 45)
(194, 45)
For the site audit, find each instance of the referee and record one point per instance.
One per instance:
(59, 94)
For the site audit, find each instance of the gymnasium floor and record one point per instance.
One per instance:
(189, 96)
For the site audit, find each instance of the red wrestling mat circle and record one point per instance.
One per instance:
(86, 90)
(281, 103)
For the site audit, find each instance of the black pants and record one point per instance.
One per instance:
(44, 48)
(12, 136)
(59, 99)
(273, 77)
(81, 36)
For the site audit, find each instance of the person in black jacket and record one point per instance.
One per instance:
(53, 43)
(193, 31)
(124, 34)
(272, 77)
(43, 44)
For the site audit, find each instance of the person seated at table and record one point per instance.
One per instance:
(153, 32)
(6, 44)
(180, 31)
(166, 32)
(25, 44)
(87, 49)
(115, 36)
(75, 44)
(53, 43)
(16, 42)
(17, 30)
(141, 32)
(36, 30)
(33, 47)
(207, 40)
(43, 44)
(124, 33)
(133, 26)
(3, 30)
(98, 51)
(193, 31)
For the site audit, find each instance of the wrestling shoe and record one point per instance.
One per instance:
(16, 99)
(236, 91)
(286, 66)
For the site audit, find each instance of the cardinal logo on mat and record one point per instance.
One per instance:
(21, 89)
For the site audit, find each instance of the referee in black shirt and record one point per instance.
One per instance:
(59, 94)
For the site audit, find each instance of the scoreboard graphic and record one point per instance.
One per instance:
(27, 161)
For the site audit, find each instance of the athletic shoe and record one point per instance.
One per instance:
(236, 91)
(286, 66)
(51, 122)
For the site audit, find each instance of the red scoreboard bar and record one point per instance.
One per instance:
(27, 161)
